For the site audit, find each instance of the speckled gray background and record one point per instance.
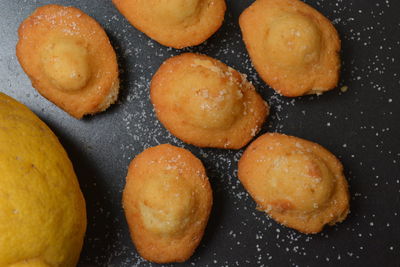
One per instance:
(360, 126)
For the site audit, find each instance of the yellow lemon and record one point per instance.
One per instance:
(42, 209)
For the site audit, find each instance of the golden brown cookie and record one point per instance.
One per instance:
(297, 182)
(167, 201)
(206, 103)
(293, 47)
(69, 59)
(174, 23)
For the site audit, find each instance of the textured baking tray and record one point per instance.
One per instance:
(360, 126)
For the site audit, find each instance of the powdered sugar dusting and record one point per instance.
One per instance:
(358, 122)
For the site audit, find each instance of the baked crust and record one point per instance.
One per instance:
(206, 103)
(167, 201)
(293, 47)
(69, 59)
(297, 182)
(174, 23)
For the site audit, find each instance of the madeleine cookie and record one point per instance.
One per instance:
(297, 182)
(293, 47)
(175, 23)
(69, 59)
(206, 103)
(167, 201)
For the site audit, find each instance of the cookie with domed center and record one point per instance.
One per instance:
(174, 23)
(297, 182)
(206, 103)
(69, 59)
(167, 201)
(293, 47)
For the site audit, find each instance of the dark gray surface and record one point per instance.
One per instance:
(360, 126)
